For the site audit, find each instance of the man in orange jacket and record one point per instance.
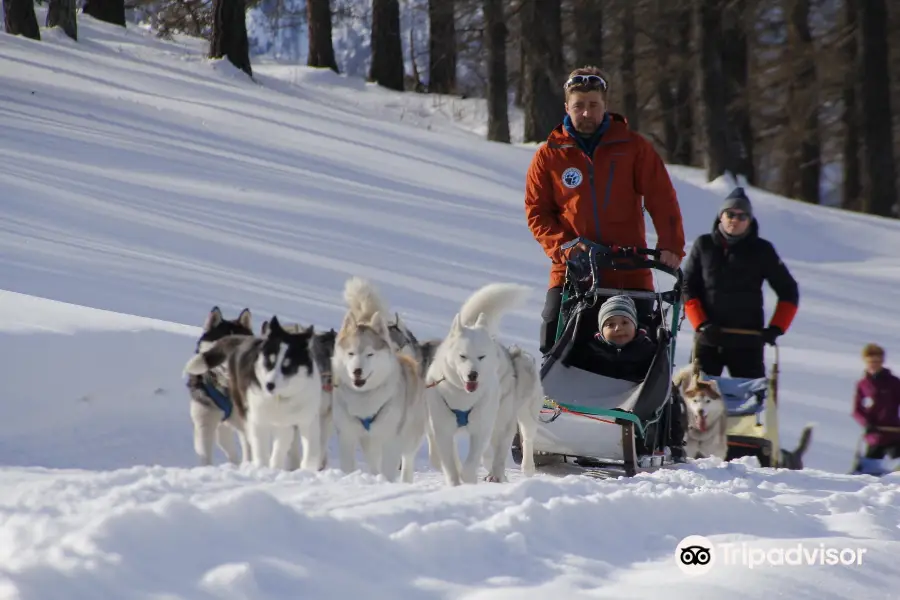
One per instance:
(588, 180)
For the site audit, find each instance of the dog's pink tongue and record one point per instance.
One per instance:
(471, 386)
(703, 423)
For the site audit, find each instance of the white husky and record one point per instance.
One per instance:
(477, 384)
(377, 390)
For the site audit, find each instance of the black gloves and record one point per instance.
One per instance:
(771, 333)
(710, 333)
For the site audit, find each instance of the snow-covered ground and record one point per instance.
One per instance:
(141, 184)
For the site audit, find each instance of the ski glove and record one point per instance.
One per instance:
(710, 333)
(771, 333)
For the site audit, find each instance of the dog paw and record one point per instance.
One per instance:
(492, 479)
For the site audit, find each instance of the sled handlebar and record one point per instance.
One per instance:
(611, 257)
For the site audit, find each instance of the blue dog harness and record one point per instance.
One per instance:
(219, 398)
(462, 416)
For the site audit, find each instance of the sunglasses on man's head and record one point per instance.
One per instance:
(585, 79)
(740, 216)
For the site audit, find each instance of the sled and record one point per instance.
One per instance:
(598, 425)
(877, 467)
(752, 408)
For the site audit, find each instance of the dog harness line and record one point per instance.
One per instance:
(367, 421)
(462, 416)
(219, 398)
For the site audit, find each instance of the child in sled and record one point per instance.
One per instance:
(875, 407)
(619, 349)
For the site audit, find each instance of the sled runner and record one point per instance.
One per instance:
(877, 467)
(599, 425)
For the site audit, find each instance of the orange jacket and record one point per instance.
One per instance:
(568, 195)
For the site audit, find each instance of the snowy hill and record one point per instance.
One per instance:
(141, 185)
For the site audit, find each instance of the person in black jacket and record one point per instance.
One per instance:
(723, 278)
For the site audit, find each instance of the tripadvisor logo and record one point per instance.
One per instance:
(697, 555)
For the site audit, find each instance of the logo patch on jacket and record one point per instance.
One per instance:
(572, 177)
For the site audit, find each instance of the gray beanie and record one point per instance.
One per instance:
(621, 306)
(737, 199)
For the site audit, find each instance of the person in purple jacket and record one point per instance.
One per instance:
(876, 406)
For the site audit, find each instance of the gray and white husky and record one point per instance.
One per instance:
(707, 414)
(477, 384)
(323, 350)
(377, 396)
(276, 386)
(212, 408)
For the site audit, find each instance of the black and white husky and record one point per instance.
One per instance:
(276, 385)
(323, 350)
(212, 409)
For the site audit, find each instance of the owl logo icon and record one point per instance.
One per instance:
(572, 177)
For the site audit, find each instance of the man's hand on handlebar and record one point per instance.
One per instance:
(670, 259)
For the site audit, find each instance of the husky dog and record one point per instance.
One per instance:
(323, 349)
(707, 432)
(707, 416)
(212, 408)
(276, 385)
(423, 353)
(377, 397)
(405, 342)
(477, 384)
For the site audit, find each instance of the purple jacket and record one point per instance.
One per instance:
(877, 402)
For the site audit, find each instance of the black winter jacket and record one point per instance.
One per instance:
(727, 280)
(630, 362)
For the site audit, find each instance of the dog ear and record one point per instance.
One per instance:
(481, 321)
(380, 326)
(456, 325)
(213, 318)
(695, 368)
(275, 326)
(679, 376)
(264, 330)
(246, 319)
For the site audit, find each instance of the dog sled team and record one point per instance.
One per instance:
(283, 391)
(606, 391)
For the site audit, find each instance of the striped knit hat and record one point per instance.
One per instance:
(621, 306)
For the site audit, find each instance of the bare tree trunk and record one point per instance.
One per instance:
(802, 168)
(665, 79)
(321, 48)
(495, 32)
(719, 158)
(684, 153)
(108, 11)
(229, 34)
(735, 67)
(543, 97)
(19, 19)
(442, 47)
(588, 25)
(61, 13)
(876, 109)
(852, 184)
(520, 82)
(629, 77)
(387, 67)
(417, 79)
